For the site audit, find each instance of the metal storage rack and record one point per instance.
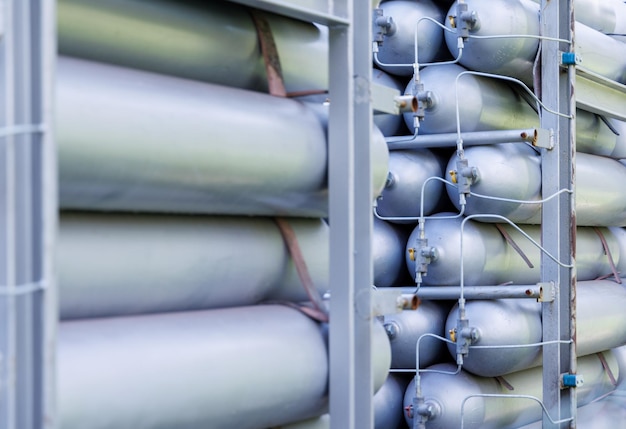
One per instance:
(349, 23)
(28, 315)
(29, 210)
(558, 223)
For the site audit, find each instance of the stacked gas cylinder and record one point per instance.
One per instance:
(446, 242)
(180, 304)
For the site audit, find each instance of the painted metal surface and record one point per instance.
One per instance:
(515, 56)
(605, 16)
(607, 413)
(121, 264)
(600, 320)
(388, 402)
(405, 329)
(212, 41)
(398, 47)
(350, 171)
(389, 124)
(247, 367)
(387, 253)
(484, 103)
(447, 392)
(134, 124)
(490, 104)
(489, 259)
(514, 171)
(402, 195)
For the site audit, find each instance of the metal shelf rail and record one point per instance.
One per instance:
(28, 213)
(558, 222)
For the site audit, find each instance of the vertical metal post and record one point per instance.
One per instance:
(350, 187)
(27, 214)
(558, 216)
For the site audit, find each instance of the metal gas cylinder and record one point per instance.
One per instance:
(513, 171)
(388, 244)
(500, 322)
(388, 123)
(405, 329)
(387, 402)
(599, 326)
(484, 104)
(120, 264)
(445, 393)
(515, 56)
(245, 367)
(408, 171)
(605, 16)
(490, 259)
(398, 46)
(487, 104)
(207, 41)
(137, 141)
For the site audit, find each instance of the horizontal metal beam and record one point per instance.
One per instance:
(600, 95)
(471, 292)
(475, 138)
(319, 11)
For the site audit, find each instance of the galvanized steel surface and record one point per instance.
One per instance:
(447, 393)
(402, 195)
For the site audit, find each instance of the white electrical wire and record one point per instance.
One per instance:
(495, 395)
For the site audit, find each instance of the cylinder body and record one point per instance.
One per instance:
(515, 56)
(484, 104)
(513, 171)
(387, 252)
(501, 322)
(131, 140)
(605, 16)
(446, 393)
(120, 264)
(388, 123)
(387, 403)
(603, 414)
(599, 326)
(488, 259)
(406, 328)
(399, 47)
(207, 41)
(248, 367)
(491, 104)
(408, 171)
